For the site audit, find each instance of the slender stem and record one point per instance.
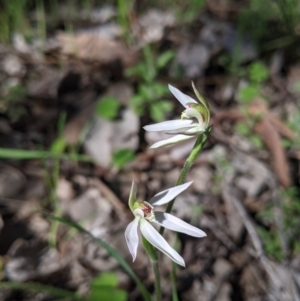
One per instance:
(155, 268)
(152, 253)
(173, 273)
(198, 146)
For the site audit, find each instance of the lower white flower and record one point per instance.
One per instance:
(144, 214)
(194, 119)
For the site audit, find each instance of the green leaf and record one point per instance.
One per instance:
(110, 250)
(258, 73)
(58, 146)
(122, 156)
(243, 129)
(158, 110)
(108, 107)
(271, 243)
(106, 279)
(164, 58)
(160, 90)
(248, 93)
(257, 141)
(137, 100)
(286, 143)
(103, 288)
(138, 70)
(14, 95)
(107, 294)
(146, 91)
(296, 86)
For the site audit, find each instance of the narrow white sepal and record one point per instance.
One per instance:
(200, 128)
(181, 97)
(196, 129)
(172, 140)
(159, 242)
(168, 195)
(132, 238)
(176, 224)
(168, 125)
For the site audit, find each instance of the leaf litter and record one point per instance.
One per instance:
(238, 184)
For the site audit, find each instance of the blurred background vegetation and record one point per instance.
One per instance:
(244, 56)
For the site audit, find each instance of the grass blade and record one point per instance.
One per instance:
(24, 154)
(111, 251)
(36, 287)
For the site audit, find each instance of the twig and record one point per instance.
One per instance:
(115, 201)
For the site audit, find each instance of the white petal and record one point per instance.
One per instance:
(176, 224)
(132, 195)
(182, 98)
(196, 129)
(169, 141)
(168, 125)
(132, 238)
(193, 113)
(159, 242)
(169, 194)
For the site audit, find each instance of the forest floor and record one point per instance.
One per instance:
(73, 104)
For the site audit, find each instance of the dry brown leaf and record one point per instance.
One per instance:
(272, 140)
(281, 127)
(268, 127)
(233, 114)
(93, 47)
(259, 107)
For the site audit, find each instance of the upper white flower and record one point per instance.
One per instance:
(194, 119)
(144, 214)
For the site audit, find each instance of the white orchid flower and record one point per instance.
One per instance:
(144, 215)
(194, 119)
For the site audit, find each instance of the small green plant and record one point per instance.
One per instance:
(12, 18)
(104, 288)
(197, 210)
(291, 224)
(271, 243)
(260, 11)
(41, 20)
(258, 74)
(150, 93)
(108, 107)
(291, 210)
(122, 156)
(11, 103)
(248, 93)
(246, 130)
(123, 9)
(192, 9)
(273, 19)
(293, 123)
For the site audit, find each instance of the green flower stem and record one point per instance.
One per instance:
(152, 253)
(155, 268)
(198, 146)
(173, 273)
